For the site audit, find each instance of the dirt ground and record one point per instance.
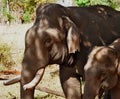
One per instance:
(50, 80)
(14, 36)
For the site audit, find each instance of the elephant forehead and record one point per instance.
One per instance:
(53, 32)
(96, 56)
(43, 23)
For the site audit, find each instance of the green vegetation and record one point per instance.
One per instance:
(24, 10)
(112, 3)
(6, 61)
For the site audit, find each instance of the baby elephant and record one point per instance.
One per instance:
(102, 71)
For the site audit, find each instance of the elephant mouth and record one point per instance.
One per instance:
(58, 56)
(109, 82)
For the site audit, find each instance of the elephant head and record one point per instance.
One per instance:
(52, 37)
(51, 40)
(102, 69)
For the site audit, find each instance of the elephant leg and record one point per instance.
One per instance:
(70, 82)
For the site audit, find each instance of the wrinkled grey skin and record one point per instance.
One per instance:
(64, 36)
(102, 70)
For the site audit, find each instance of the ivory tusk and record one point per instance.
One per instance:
(13, 80)
(35, 80)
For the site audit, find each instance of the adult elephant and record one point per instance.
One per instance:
(102, 71)
(65, 35)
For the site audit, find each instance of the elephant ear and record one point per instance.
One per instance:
(73, 38)
(118, 66)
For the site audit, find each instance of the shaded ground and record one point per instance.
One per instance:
(14, 36)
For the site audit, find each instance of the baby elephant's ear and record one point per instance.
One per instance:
(73, 36)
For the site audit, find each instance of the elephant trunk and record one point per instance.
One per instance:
(35, 80)
(90, 90)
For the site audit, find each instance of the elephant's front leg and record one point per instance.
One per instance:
(70, 82)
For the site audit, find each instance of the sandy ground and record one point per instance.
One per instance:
(14, 36)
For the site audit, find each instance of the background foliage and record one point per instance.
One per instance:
(6, 61)
(23, 11)
(112, 3)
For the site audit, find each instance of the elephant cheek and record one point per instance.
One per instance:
(58, 54)
(110, 82)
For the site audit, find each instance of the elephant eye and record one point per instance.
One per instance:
(48, 42)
